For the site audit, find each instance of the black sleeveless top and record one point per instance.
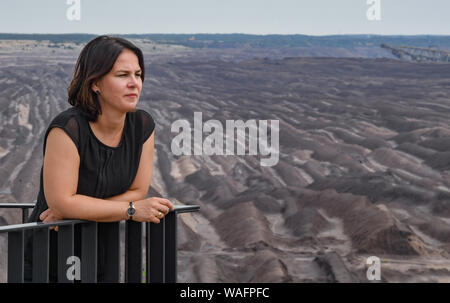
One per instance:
(104, 172)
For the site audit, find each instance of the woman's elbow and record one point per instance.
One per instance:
(61, 205)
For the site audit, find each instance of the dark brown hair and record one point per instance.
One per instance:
(96, 60)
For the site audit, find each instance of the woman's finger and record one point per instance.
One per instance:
(51, 218)
(165, 210)
(54, 227)
(155, 219)
(47, 217)
(44, 214)
(166, 203)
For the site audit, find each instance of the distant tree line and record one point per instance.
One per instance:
(53, 38)
(258, 41)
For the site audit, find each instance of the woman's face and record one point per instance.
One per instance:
(121, 87)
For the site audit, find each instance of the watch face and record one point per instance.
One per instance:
(131, 211)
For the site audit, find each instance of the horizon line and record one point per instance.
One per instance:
(248, 34)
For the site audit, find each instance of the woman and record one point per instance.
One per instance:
(98, 154)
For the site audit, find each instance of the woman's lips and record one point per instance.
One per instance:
(131, 96)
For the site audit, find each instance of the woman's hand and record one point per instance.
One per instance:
(50, 215)
(151, 209)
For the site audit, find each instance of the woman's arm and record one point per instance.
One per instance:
(129, 195)
(60, 174)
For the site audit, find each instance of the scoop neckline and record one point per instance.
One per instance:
(103, 144)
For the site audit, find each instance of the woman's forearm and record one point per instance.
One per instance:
(92, 209)
(130, 196)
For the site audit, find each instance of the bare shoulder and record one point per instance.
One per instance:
(59, 142)
(60, 169)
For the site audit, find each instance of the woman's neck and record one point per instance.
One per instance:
(110, 123)
(108, 128)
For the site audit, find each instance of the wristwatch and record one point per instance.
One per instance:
(131, 211)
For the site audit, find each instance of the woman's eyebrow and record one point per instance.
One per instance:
(126, 71)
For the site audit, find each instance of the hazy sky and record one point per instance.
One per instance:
(312, 17)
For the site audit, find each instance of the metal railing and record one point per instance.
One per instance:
(160, 249)
(23, 206)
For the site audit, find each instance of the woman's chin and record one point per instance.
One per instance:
(132, 110)
(124, 106)
(131, 106)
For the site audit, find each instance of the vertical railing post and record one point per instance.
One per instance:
(24, 214)
(155, 252)
(16, 257)
(89, 252)
(65, 250)
(171, 248)
(111, 233)
(133, 252)
(41, 245)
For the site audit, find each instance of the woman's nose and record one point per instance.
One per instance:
(133, 81)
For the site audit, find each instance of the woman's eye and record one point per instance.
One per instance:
(138, 75)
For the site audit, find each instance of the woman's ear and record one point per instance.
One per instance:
(95, 88)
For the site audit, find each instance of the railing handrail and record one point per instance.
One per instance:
(178, 209)
(17, 205)
(35, 225)
(23, 206)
